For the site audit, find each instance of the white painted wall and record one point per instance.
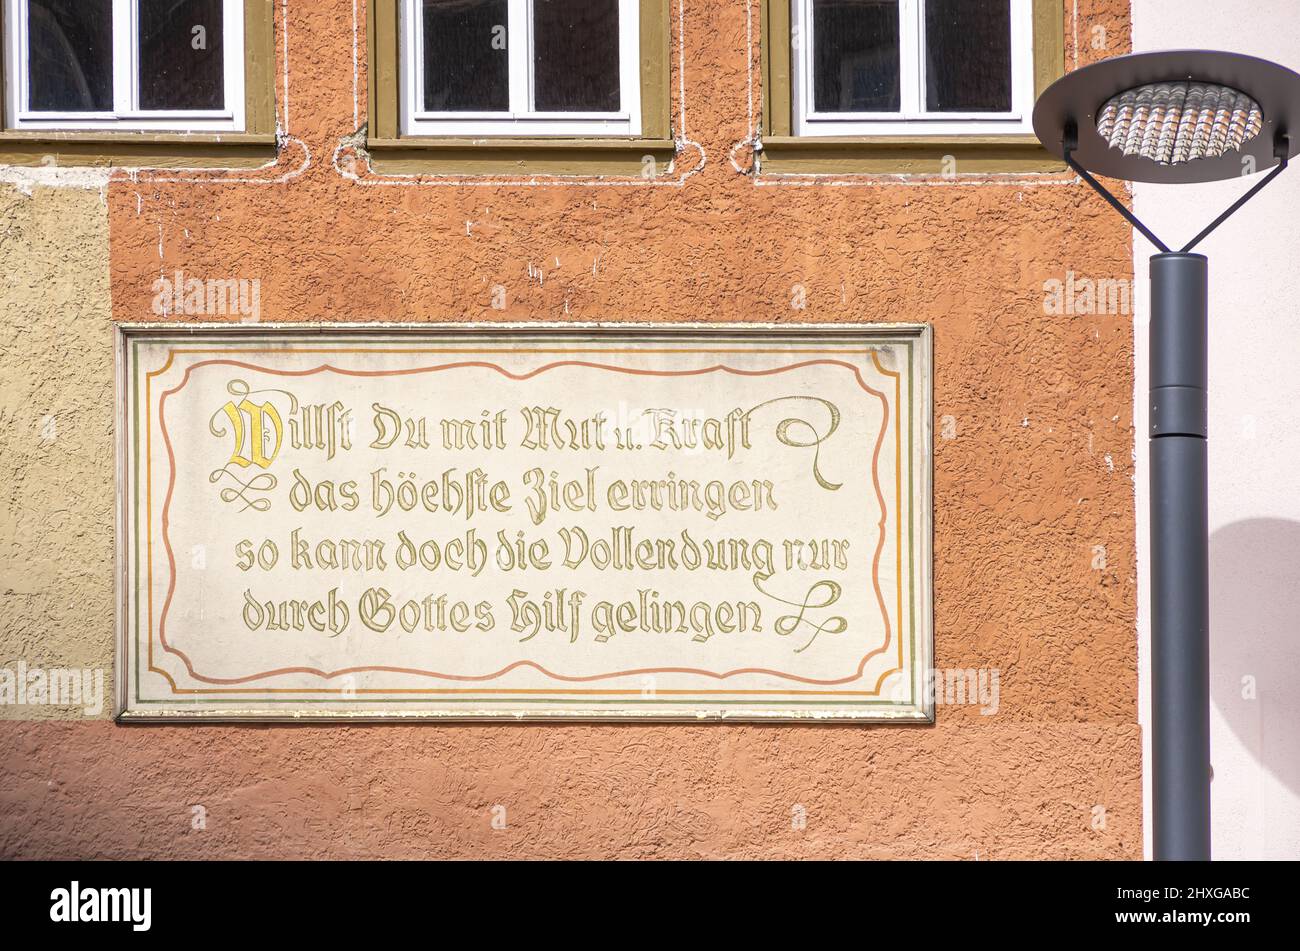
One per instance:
(1254, 447)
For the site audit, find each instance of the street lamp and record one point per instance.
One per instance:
(1176, 117)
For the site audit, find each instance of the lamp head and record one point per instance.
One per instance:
(1174, 116)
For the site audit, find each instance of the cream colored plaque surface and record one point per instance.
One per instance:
(622, 521)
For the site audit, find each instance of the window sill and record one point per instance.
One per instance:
(906, 155)
(511, 155)
(218, 150)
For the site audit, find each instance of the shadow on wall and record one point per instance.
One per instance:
(1255, 639)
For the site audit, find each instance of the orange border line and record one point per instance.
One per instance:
(519, 377)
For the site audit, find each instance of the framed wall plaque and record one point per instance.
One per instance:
(621, 521)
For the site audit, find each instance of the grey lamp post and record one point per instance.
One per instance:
(1176, 117)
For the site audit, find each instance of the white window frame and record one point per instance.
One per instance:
(912, 119)
(126, 114)
(520, 119)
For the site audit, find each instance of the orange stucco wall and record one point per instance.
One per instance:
(1033, 507)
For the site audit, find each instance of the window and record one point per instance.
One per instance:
(913, 67)
(521, 67)
(546, 87)
(907, 86)
(166, 65)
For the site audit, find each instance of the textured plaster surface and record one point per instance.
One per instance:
(1034, 572)
(998, 791)
(56, 433)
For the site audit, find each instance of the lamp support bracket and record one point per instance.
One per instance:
(1281, 149)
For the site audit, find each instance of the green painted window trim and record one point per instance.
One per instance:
(248, 149)
(394, 153)
(784, 153)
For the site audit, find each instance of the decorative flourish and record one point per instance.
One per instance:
(785, 438)
(240, 390)
(262, 482)
(812, 601)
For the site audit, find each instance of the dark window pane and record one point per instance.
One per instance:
(855, 60)
(466, 66)
(70, 65)
(181, 55)
(575, 56)
(968, 56)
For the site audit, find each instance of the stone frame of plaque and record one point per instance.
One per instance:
(751, 503)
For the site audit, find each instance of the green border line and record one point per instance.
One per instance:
(133, 399)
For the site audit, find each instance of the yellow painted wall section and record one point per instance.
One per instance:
(56, 431)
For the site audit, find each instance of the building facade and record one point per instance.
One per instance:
(724, 174)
